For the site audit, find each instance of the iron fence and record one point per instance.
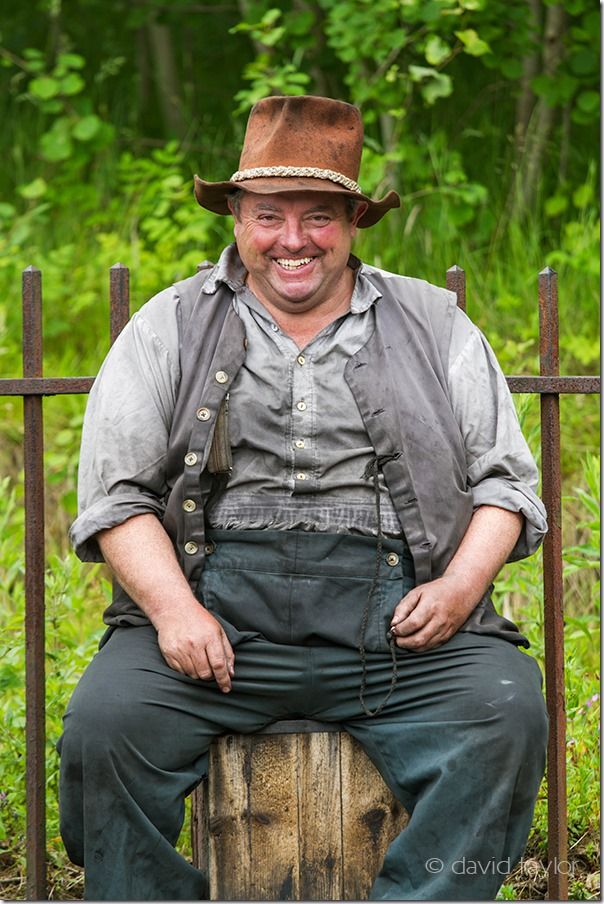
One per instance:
(33, 387)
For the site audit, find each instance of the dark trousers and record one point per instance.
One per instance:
(461, 743)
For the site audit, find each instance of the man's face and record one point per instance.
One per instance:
(295, 247)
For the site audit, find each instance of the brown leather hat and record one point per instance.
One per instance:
(299, 144)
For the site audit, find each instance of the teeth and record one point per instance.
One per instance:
(293, 264)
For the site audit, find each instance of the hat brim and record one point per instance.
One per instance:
(213, 195)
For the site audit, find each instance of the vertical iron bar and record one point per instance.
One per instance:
(33, 464)
(119, 314)
(119, 300)
(456, 282)
(553, 592)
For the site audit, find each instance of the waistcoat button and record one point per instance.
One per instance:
(202, 414)
(191, 548)
(392, 558)
(189, 505)
(191, 458)
(221, 376)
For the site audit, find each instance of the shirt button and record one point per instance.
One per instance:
(191, 548)
(392, 558)
(209, 549)
(189, 505)
(202, 414)
(299, 444)
(301, 406)
(301, 359)
(221, 377)
(191, 458)
(300, 476)
(274, 328)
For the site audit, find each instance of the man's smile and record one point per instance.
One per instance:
(293, 263)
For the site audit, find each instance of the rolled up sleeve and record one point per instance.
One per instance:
(501, 469)
(122, 469)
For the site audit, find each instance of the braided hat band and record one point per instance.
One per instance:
(311, 172)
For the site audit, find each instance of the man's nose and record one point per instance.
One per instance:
(293, 236)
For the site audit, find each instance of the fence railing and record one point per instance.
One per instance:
(33, 387)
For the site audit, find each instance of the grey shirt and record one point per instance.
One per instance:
(299, 443)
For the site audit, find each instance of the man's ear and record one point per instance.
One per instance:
(360, 210)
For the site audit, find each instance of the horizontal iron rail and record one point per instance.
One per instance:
(50, 386)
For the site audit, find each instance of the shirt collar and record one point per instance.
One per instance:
(230, 271)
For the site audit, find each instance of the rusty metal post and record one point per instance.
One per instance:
(456, 282)
(119, 314)
(119, 300)
(553, 592)
(35, 727)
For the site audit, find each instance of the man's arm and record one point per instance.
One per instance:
(192, 641)
(431, 613)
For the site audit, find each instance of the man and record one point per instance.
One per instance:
(304, 473)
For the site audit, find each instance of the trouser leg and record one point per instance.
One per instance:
(462, 745)
(135, 744)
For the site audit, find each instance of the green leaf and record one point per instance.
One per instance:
(435, 84)
(271, 16)
(300, 23)
(56, 144)
(72, 84)
(419, 73)
(86, 127)
(440, 86)
(270, 38)
(583, 196)
(7, 211)
(72, 60)
(584, 62)
(545, 87)
(555, 205)
(473, 44)
(436, 51)
(33, 190)
(44, 87)
(429, 12)
(588, 101)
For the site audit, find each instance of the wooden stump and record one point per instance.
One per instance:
(297, 812)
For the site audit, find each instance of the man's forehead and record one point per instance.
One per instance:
(307, 200)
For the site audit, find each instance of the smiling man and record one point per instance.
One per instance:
(305, 473)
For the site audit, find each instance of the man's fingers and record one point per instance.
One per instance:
(425, 639)
(406, 606)
(221, 662)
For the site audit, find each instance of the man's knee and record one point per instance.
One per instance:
(511, 700)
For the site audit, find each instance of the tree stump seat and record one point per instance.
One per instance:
(294, 812)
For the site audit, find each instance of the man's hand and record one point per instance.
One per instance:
(191, 640)
(196, 645)
(430, 614)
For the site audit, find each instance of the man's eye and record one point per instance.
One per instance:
(267, 218)
(320, 219)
